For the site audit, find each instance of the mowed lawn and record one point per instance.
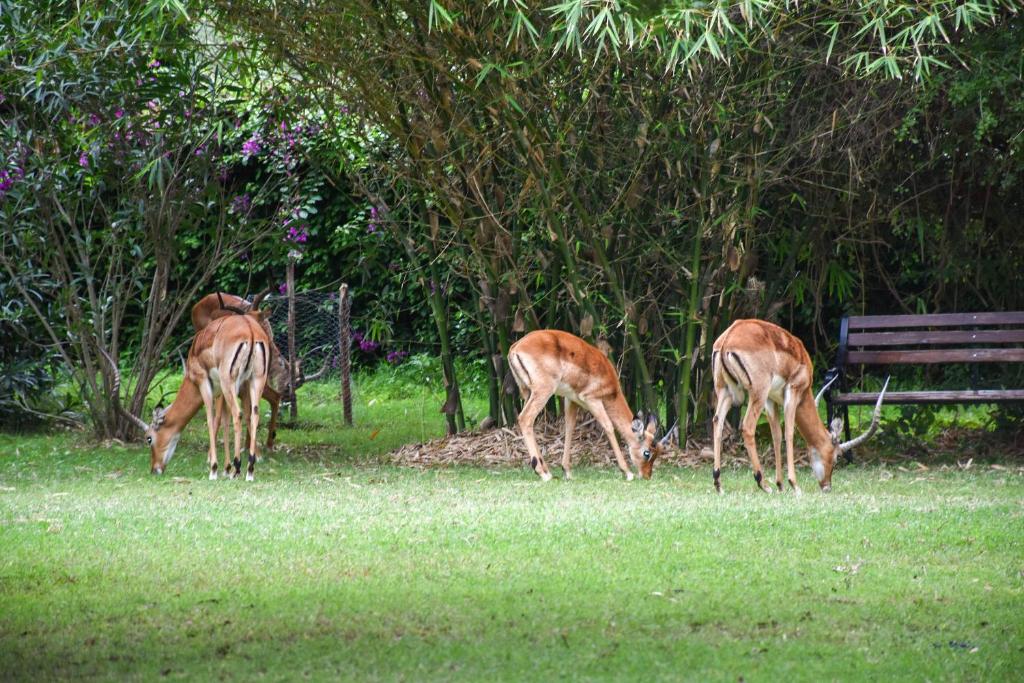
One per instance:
(332, 566)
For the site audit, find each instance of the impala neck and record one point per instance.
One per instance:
(186, 404)
(818, 438)
(622, 419)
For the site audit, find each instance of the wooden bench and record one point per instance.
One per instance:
(919, 339)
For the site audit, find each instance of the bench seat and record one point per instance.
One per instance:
(933, 397)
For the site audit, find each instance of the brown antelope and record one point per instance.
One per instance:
(217, 305)
(773, 369)
(228, 356)
(278, 387)
(551, 362)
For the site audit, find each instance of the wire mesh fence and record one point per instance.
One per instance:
(317, 331)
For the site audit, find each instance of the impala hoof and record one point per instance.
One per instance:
(249, 476)
(213, 476)
(545, 476)
(629, 476)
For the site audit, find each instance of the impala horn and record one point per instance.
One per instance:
(258, 299)
(302, 379)
(226, 307)
(817, 399)
(853, 443)
(115, 393)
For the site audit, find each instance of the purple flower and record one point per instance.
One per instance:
(296, 234)
(6, 182)
(368, 345)
(118, 113)
(154, 64)
(241, 203)
(94, 119)
(357, 336)
(251, 147)
(282, 288)
(396, 357)
(83, 160)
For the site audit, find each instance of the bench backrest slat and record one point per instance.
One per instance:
(930, 337)
(1008, 355)
(874, 322)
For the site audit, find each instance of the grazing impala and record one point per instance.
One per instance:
(551, 362)
(217, 305)
(228, 356)
(278, 387)
(772, 368)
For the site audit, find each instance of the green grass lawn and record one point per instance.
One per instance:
(332, 565)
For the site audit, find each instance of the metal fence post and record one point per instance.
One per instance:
(292, 352)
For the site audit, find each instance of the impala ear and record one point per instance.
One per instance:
(652, 422)
(638, 423)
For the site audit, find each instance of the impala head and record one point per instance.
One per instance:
(161, 441)
(823, 462)
(648, 448)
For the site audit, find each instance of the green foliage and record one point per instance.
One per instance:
(26, 372)
(639, 172)
(122, 183)
(600, 167)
